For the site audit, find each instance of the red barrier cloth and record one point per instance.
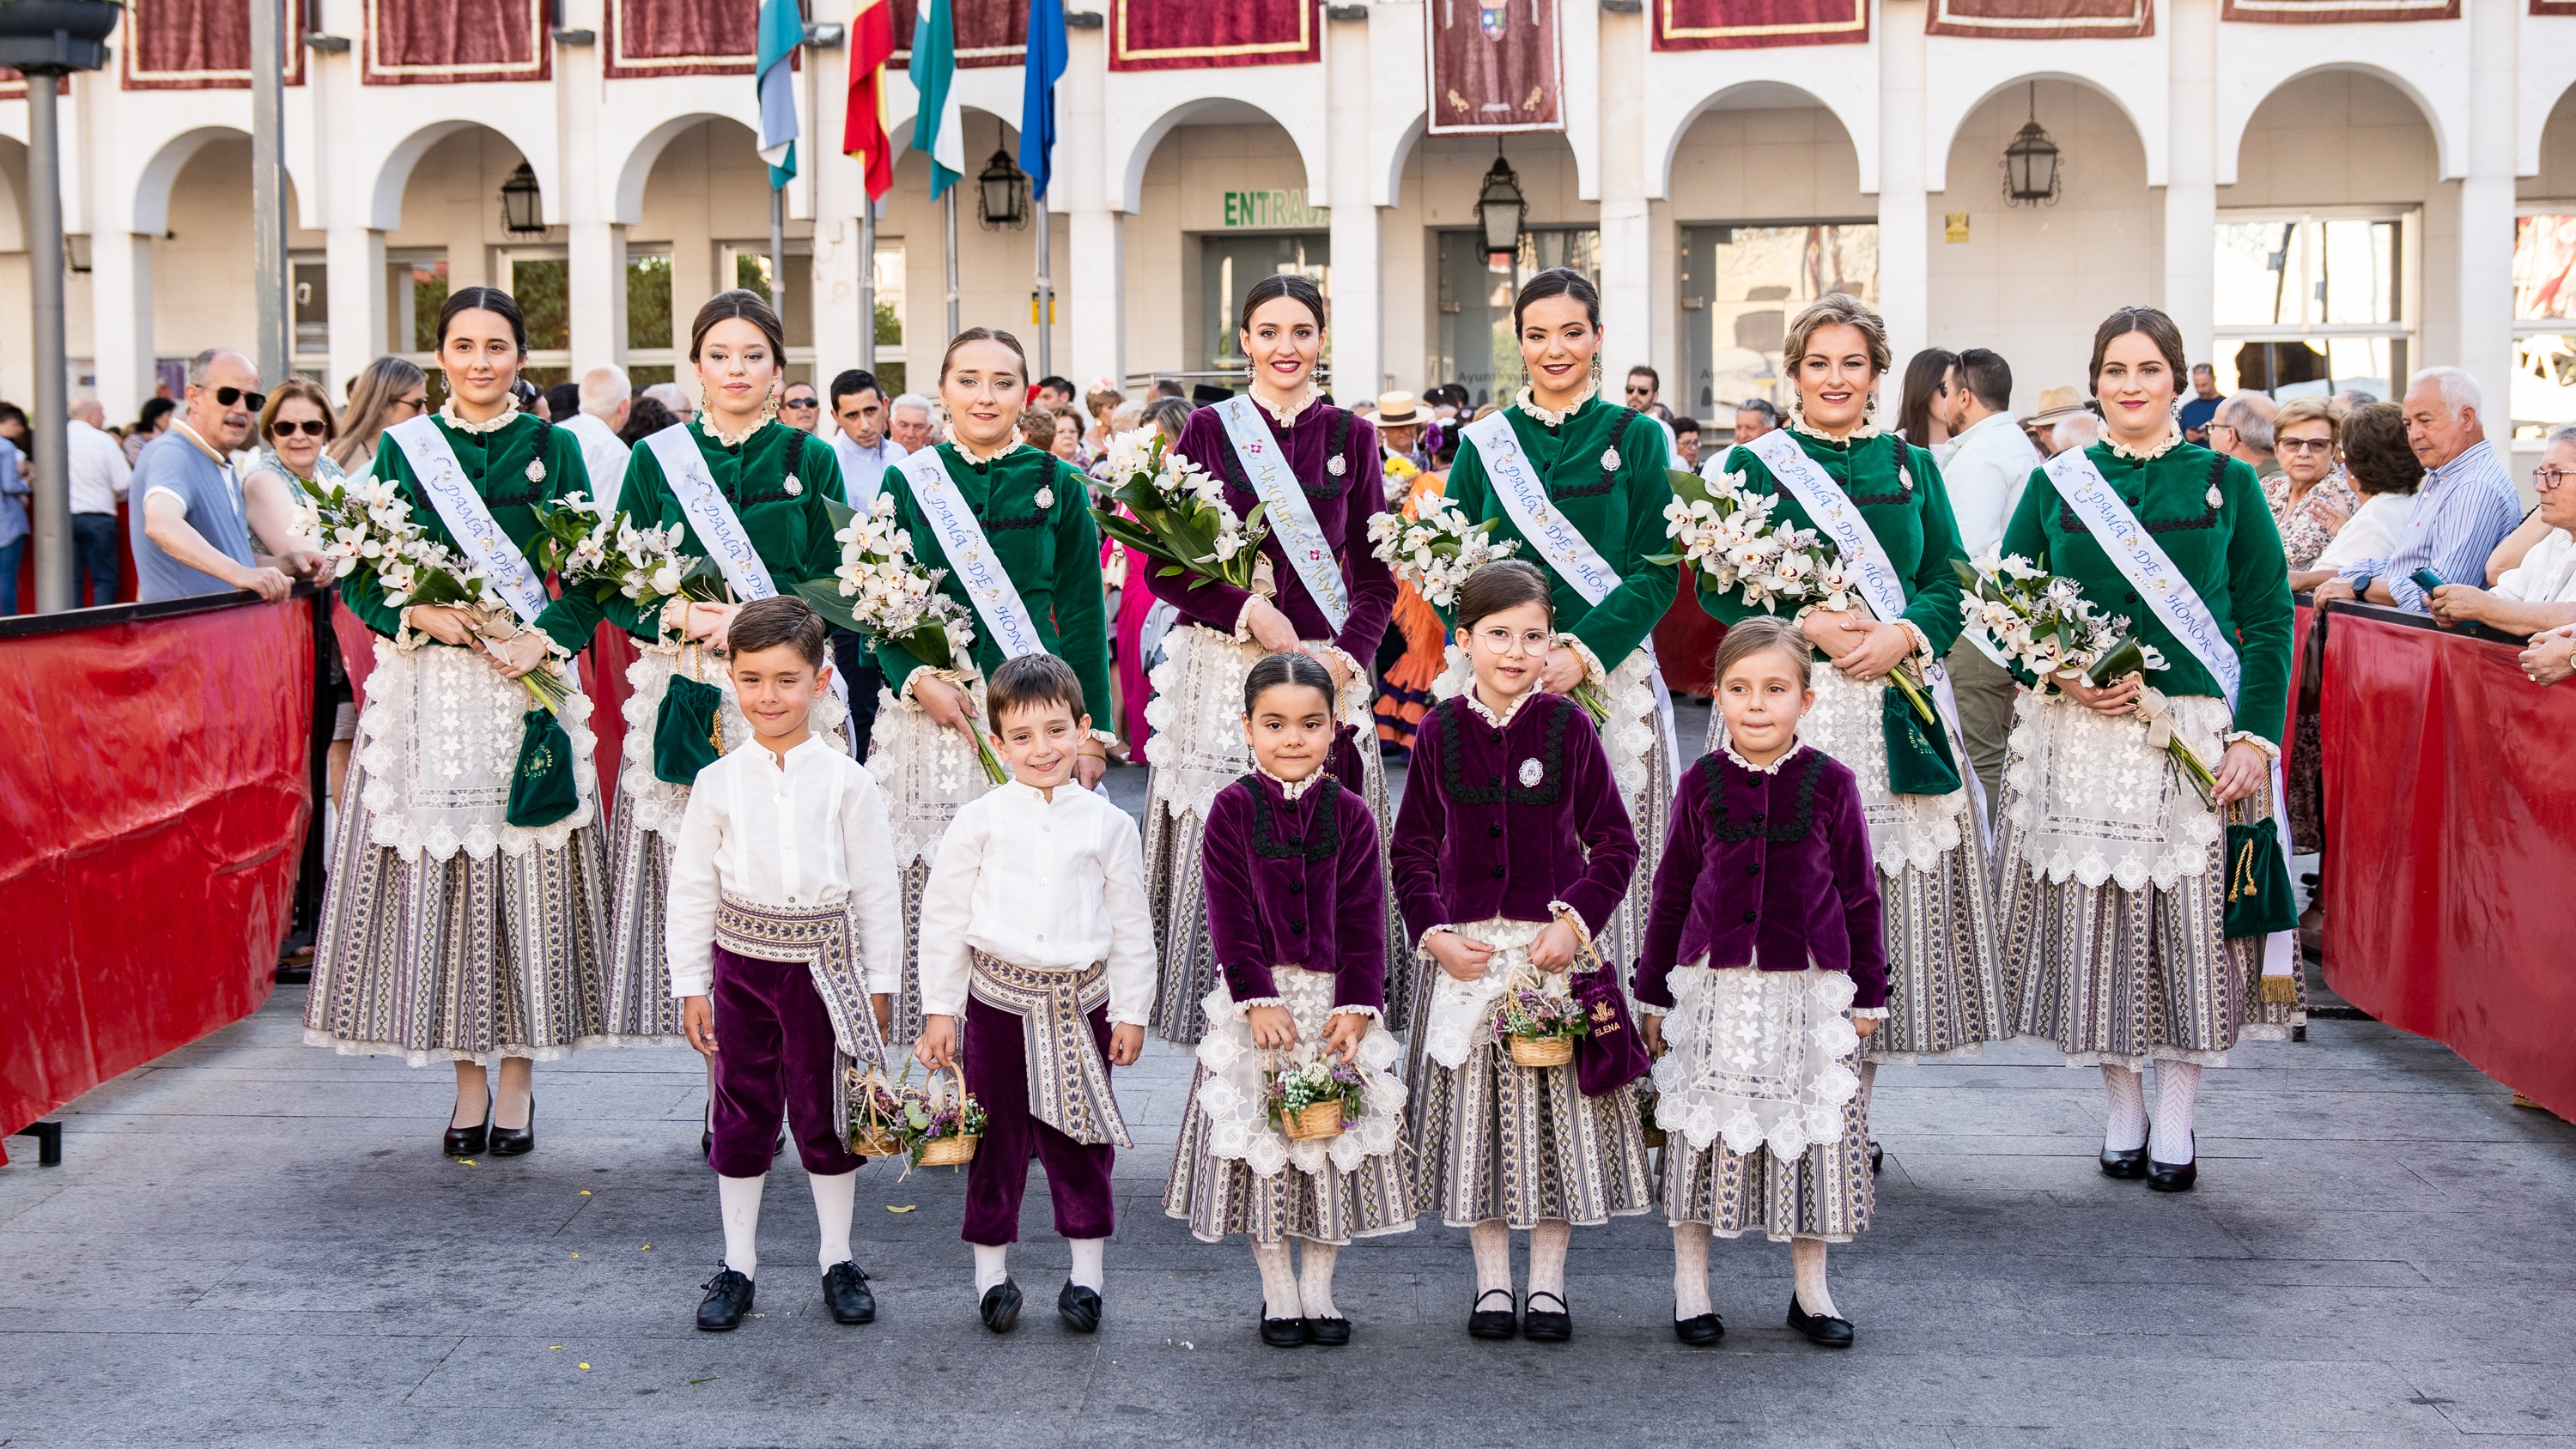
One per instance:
(2452, 817)
(611, 650)
(2042, 19)
(1192, 35)
(153, 801)
(1686, 641)
(444, 42)
(195, 45)
(2338, 12)
(1752, 24)
(1496, 65)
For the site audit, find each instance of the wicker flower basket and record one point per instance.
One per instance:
(871, 1136)
(954, 1151)
(1313, 1122)
(1542, 1051)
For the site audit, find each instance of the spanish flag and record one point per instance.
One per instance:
(863, 133)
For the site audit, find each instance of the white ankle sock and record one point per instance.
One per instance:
(992, 1265)
(1315, 1284)
(835, 1198)
(1492, 1240)
(1278, 1281)
(740, 1197)
(2127, 1131)
(1807, 1260)
(2177, 1095)
(1690, 1271)
(1086, 1263)
(1548, 1242)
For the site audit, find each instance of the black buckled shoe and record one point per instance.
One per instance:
(468, 1141)
(1079, 1307)
(1328, 1332)
(845, 1292)
(1001, 1306)
(2168, 1177)
(1282, 1332)
(1820, 1329)
(1503, 1322)
(728, 1299)
(1540, 1325)
(1699, 1331)
(517, 1141)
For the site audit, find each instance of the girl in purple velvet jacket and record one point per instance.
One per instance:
(1512, 852)
(1296, 908)
(1765, 965)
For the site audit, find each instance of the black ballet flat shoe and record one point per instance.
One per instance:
(517, 1141)
(1503, 1322)
(845, 1292)
(1876, 1158)
(728, 1299)
(1282, 1332)
(1001, 1306)
(1540, 1325)
(2167, 1177)
(1079, 1307)
(1328, 1332)
(1700, 1330)
(468, 1141)
(1820, 1329)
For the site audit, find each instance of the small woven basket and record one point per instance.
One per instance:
(870, 1135)
(1542, 1051)
(955, 1151)
(1313, 1122)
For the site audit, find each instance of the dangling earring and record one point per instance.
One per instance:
(1869, 407)
(702, 397)
(1596, 372)
(769, 405)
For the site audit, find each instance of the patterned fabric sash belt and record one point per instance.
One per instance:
(819, 937)
(1068, 1082)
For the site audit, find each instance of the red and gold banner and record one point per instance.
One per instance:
(2042, 19)
(1496, 65)
(2553, 7)
(2341, 12)
(989, 32)
(1753, 24)
(1192, 35)
(196, 45)
(442, 42)
(680, 37)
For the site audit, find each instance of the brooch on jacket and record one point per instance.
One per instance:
(537, 471)
(1334, 465)
(793, 486)
(1610, 460)
(1531, 773)
(1045, 496)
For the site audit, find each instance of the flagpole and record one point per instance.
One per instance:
(953, 327)
(778, 255)
(1046, 297)
(867, 280)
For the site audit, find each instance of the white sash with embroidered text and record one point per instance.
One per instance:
(1291, 517)
(710, 517)
(442, 479)
(971, 560)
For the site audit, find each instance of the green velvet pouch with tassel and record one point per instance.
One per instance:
(542, 788)
(1919, 761)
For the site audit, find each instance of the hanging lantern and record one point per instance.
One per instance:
(1002, 194)
(1500, 210)
(522, 205)
(2031, 162)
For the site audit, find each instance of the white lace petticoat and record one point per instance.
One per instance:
(1461, 1016)
(1757, 1057)
(2090, 800)
(440, 741)
(927, 770)
(658, 804)
(1232, 1094)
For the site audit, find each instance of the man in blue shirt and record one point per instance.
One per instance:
(2203, 405)
(189, 530)
(2464, 508)
(14, 488)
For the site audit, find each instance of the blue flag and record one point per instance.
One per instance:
(1044, 67)
(782, 29)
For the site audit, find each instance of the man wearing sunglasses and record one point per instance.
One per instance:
(800, 407)
(192, 534)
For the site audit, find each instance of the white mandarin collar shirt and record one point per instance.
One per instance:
(1047, 885)
(863, 470)
(813, 833)
(1988, 465)
(603, 457)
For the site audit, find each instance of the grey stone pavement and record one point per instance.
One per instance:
(251, 1242)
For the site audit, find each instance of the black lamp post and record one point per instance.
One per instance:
(2031, 162)
(522, 204)
(1002, 194)
(1500, 210)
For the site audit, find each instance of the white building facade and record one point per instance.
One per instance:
(2317, 205)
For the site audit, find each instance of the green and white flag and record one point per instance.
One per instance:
(936, 130)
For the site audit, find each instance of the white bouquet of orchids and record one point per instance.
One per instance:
(1735, 541)
(587, 546)
(881, 591)
(1181, 521)
(1432, 547)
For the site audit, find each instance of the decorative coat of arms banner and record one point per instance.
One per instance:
(1496, 65)
(2042, 19)
(1753, 24)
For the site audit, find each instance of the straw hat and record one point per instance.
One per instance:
(1398, 410)
(2055, 403)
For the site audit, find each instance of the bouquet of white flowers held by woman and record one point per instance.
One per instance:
(588, 547)
(1431, 546)
(365, 525)
(1738, 544)
(1182, 523)
(882, 592)
(2042, 622)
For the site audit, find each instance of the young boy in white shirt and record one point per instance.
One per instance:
(785, 933)
(1034, 929)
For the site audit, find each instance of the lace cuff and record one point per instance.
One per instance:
(1243, 619)
(1869, 1013)
(1423, 942)
(2270, 750)
(1371, 1012)
(1648, 1008)
(1572, 917)
(905, 694)
(1922, 641)
(1358, 691)
(1593, 673)
(1248, 1004)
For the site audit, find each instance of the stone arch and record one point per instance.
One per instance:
(2140, 98)
(1136, 147)
(393, 173)
(1666, 132)
(2233, 122)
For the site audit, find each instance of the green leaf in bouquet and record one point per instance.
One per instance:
(828, 600)
(840, 513)
(2125, 658)
(1969, 578)
(1688, 486)
(1663, 560)
(705, 582)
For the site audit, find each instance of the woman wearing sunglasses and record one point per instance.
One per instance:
(295, 431)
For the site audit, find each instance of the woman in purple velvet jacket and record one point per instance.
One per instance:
(1312, 467)
(1765, 965)
(1297, 911)
(1512, 853)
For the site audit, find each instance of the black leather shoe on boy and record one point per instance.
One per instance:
(1503, 1322)
(1820, 1329)
(845, 1292)
(1328, 1332)
(728, 1299)
(1699, 1331)
(1001, 1306)
(1079, 1307)
(1282, 1332)
(1541, 1325)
